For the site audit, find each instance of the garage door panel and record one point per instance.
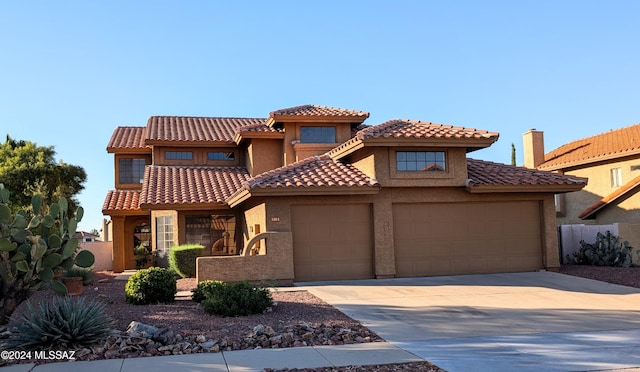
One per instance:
(332, 242)
(468, 238)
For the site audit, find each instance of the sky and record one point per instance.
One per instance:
(73, 71)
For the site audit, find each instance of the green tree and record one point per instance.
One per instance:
(94, 232)
(27, 169)
(513, 154)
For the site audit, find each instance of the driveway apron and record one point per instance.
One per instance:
(538, 321)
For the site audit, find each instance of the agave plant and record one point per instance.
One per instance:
(62, 323)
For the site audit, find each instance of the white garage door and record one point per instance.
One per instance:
(332, 242)
(466, 238)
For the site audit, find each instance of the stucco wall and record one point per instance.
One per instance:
(276, 264)
(103, 253)
(264, 155)
(599, 186)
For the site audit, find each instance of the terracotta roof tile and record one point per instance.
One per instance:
(609, 145)
(259, 127)
(121, 200)
(314, 110)
(196, 129)
(421, 129)
(620, 192)
(316, 171)
(485, 173)
(131, 138)
(190, 184)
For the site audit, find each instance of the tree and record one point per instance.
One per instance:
(95, 232)
(34, 247)
(513, 154)
(27, 169)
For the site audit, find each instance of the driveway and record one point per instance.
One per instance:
(539, 321)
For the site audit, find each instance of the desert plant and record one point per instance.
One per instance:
(608, 250)
(237, 299)
(182, 259)
(35, 246)
(86, 273)
(63, 323)
(204, 287)
(150, 286)
(143, 256)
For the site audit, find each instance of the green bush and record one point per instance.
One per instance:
(182, 259)
(63, 323)
(204, 287)
(608, 250)
(85, 273)
(236, 299)
(150, 286)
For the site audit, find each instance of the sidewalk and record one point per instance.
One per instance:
(241, 360)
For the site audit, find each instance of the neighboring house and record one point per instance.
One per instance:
(310, 193)
(85, 237)
(610, 161)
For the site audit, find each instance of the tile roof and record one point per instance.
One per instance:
(618, 193)
(196, 129)
(131, 138)
(190, 184)
(121, 200)
(421, 129)
(485, 173)
(315, 110)
(316, 171)
(609, 145)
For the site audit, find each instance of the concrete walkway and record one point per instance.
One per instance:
(539, 321)
(240, 361)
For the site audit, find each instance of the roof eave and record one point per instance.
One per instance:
(555, 189)
(211, 143)
(597, 159)
(182, 206)
(129, 150)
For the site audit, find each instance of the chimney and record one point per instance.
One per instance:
(533, 146)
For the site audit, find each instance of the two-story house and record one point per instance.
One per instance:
(311, 193)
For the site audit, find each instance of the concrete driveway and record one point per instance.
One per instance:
(539, 321)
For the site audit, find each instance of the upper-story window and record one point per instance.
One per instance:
(131, 170)
(616, 177)
(415, 161)
(178, 155)
(219, 155)
(318, 134)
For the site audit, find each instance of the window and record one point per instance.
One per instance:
(178, 155)
(616, 177)
(415, 161)
(317, 134)
(164, 234)
(131, 170)
(219, 155)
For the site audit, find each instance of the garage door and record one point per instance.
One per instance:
(466, 238)
(332, 242)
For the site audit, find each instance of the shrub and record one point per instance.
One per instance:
(150, 286)
(204, 287)
(606, 251)
(237, 299)
(182, 259)
(85, 273)
(63, 323)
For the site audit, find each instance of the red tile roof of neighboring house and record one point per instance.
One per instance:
(315, 110)
(127, 138)
(196, 129)
(488, 174)
(185, 185)
(316, 171)
(609, 145)
(121, 200)
(620, 192)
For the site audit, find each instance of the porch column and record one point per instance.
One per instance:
(119, 244)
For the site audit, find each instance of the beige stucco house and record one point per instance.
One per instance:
(311, 193)
(611, 163)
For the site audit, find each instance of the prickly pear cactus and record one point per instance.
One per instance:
(34, 248)
(608, 250)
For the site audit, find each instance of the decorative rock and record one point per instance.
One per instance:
(200, 339)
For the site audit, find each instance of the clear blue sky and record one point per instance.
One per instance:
(72, 71)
